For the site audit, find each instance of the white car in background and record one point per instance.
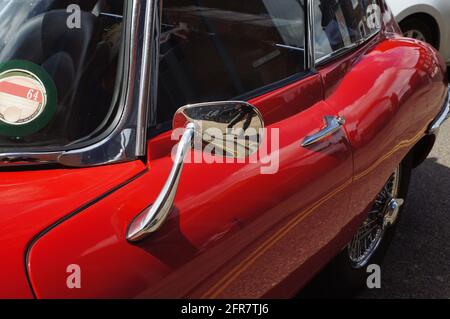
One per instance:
(425, 20)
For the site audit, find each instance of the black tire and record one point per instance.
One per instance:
(339, 278)
(426, 28)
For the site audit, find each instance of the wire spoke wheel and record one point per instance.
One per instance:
(383, 214)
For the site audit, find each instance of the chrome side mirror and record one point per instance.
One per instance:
(232, 129)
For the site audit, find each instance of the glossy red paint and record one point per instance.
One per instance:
(229, 222)
(32, 200)
(388, 96)
(234, 232)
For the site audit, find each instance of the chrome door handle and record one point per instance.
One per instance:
(332, 125)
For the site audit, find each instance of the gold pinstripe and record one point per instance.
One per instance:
(224, 282)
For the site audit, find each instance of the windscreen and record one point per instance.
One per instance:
(58, 70)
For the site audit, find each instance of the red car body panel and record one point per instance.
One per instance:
(387, 98)
(30, 201)
(234, 232)
(216, 243)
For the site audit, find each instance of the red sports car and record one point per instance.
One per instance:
(205, 149)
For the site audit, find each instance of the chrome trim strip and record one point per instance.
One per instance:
(442, 117)
(335, 54)
(310, 60)
(154, 71)
(116, 144)
(151, 219)
(147, 57)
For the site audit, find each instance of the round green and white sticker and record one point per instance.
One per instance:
(27, 98)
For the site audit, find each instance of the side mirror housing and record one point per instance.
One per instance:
(233, 129)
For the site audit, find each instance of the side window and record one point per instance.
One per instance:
(219, 50)
(339, 24)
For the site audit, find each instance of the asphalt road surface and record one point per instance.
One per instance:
(417, 264)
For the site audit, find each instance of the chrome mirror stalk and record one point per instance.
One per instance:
(234, 129)
(153, 217)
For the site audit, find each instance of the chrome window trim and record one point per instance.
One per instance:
(149, 54)
(338, 53)
(344, 50)
(154, 66)
(122, 141)
(310, 60)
